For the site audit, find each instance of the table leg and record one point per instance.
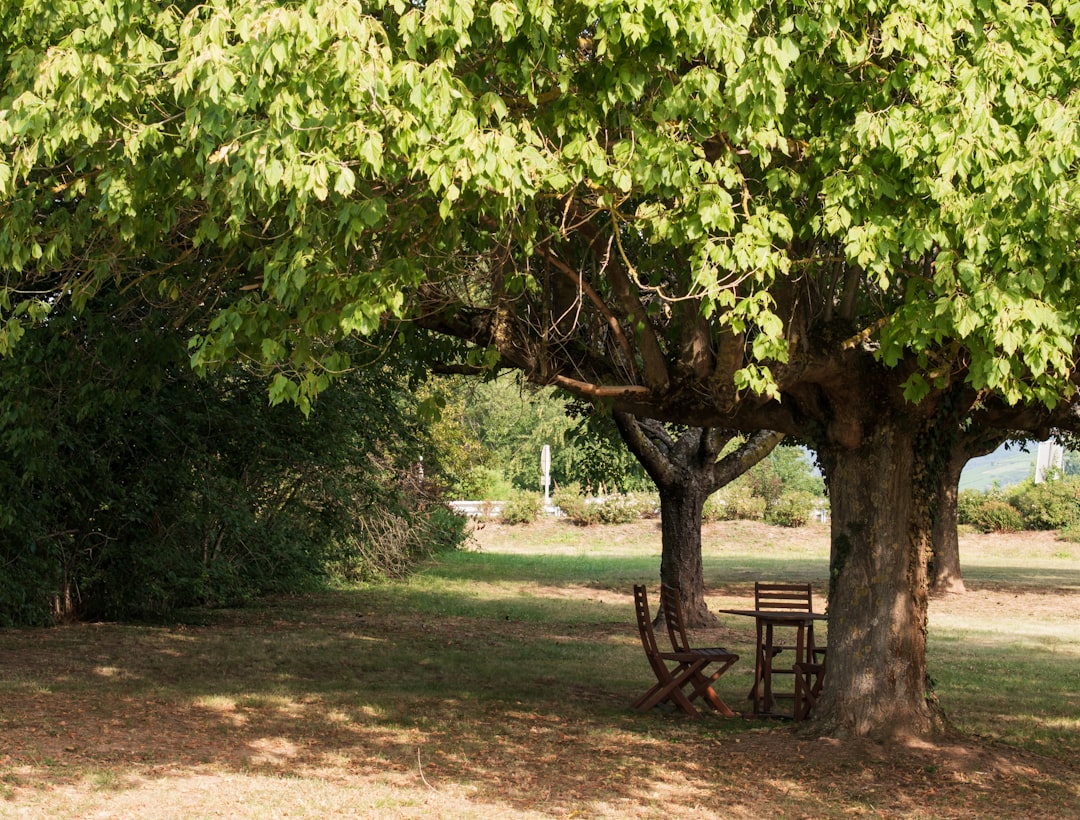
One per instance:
(766, 672)
(800, 657)
(755, 690)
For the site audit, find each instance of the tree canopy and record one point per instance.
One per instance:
(835, 219)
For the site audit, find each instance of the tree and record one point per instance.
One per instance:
(980, 433)
(506, 423)
(836, 220)
(687, 468)
(945, 574)
(134, 488)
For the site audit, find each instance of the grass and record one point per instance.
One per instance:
(495, 682)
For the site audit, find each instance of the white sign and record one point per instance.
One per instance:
(545, 471)
(1051, 458)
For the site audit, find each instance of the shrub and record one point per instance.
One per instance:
(522, 508)
(1071, 534)
(611, 509)
(1051, 505)
(647, 504)
(791, 509)
(734, 502)
(967, 502)
(617, 509)
(573, 505)
(996, 515)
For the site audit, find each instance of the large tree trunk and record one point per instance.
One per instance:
(876, 682)
(680, 561)
(945, 564)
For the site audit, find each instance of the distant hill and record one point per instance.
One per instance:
(1003, 467)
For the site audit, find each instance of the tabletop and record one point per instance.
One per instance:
(777, 614)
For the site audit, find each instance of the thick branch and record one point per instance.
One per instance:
(754, 450)
(653, 457)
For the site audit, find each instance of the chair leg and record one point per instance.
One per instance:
(703, 687)
(809, 678)
(672, 689)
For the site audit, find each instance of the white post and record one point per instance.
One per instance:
(545, 472)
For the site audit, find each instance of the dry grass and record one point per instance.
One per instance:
(495, 684)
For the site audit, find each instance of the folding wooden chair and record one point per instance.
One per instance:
(671, 606)
(670, 681)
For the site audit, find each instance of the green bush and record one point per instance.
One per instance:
(618, 509)
(1050, 505)
(791, 509)
(572, 504)
(996, 515)
(647, 504)
(734, 502)
(1071, 534)
(612, 509)
(134, 488)
(521, 508)
(967, 502)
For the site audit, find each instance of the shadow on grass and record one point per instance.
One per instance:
(1021, 579)
(522, 697)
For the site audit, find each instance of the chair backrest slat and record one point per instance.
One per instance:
(648, 638)
(671, 606)
(793, 597)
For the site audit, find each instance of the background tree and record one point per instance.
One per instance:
(816, 218)
(687, 467)
(507, 423)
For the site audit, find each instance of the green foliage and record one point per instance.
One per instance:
(521, 508)
(571, 502)
(782, 489)
(1070, 533)
(505, 425)
(486, 483)
(734, 502)
(616, 508)
(304, 145)
(622, 508)
(968, 502)
(386, 543)
(996, 515)
(1049, 505)
(786, 470)
(136, 488)
(792, 509)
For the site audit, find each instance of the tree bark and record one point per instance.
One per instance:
(975, 440)
(686, 471)
(681, 565)
(877, 685)
(945, 573)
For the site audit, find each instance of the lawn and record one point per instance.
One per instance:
(495, 683)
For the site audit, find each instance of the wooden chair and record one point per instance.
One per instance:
(671, 606)
(791, 598)
(670, 681)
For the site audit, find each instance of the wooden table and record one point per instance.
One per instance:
(767, 621)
